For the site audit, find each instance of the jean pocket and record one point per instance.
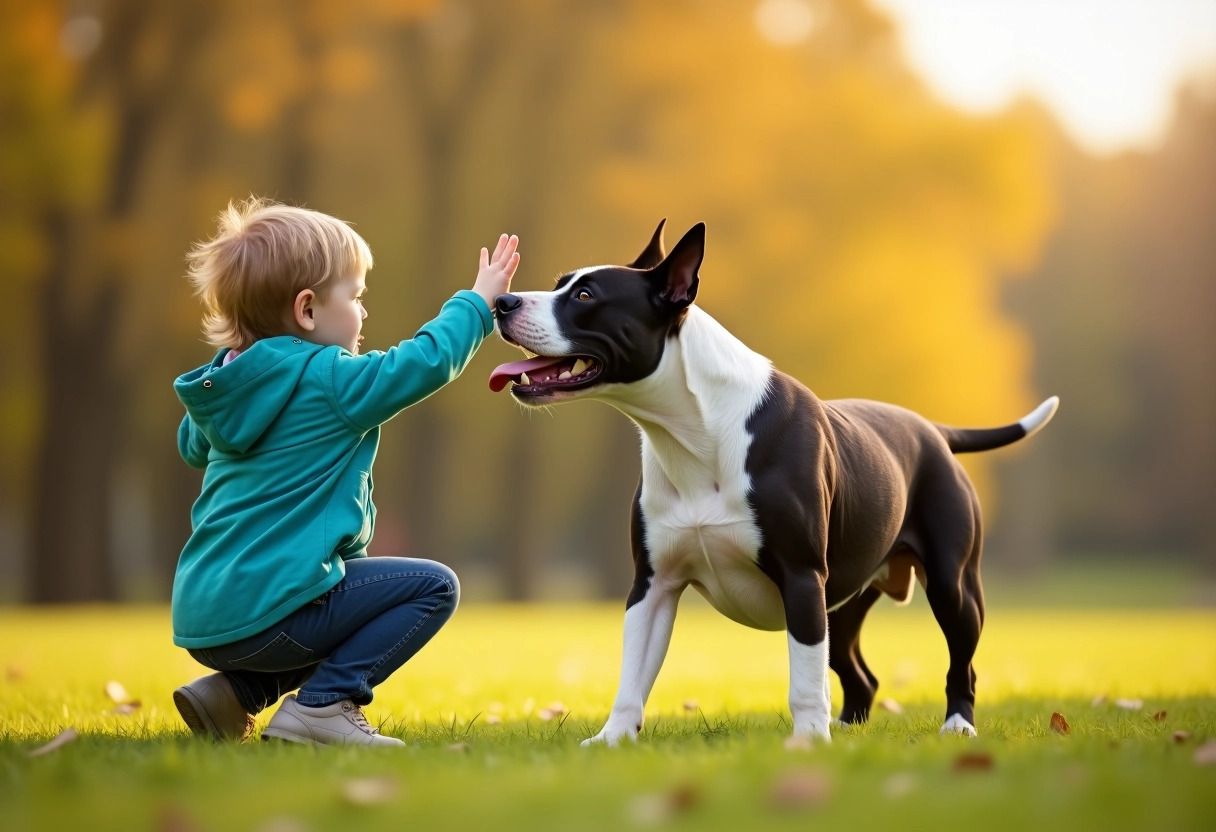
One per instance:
(282, 653)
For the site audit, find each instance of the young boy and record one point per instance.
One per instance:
(274, 589)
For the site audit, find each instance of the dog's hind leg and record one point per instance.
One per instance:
(952, 585)
(844, 657)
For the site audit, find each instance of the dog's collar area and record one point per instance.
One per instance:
(545, 372)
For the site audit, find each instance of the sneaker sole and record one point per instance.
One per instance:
(195, 715)
(283, 736)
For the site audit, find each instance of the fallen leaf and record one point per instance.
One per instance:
(1181, 736)
(799, 789)
(117, 692)
(557, 708)
(282, 824)
(545, 714)
(369, 791)
(64, 737)
(974, 761)
(1099, 700)
(659, 807)
(891, 705)
(459, 747)
(1059, 724)
(691, 705)
(173, 818)
(1205, 755)
(1129, 704)
(1159, 716)
(125, 708)
(14, 673)
(493, 719)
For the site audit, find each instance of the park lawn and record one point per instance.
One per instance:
(712, 754)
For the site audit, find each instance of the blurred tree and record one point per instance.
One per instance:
(1122, 309)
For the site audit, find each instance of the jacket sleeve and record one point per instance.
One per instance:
(373, 388)
(191, 444)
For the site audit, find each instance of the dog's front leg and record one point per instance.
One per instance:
(807, 630)
(648, 625)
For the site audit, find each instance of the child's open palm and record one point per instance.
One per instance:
(495, 273)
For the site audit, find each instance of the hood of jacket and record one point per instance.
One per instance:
(233, 404)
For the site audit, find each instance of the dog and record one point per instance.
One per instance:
(784, 511)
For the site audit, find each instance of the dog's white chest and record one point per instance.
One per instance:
(710, 540)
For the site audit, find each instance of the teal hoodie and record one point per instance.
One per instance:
(287, 433)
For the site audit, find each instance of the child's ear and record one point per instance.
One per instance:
(302, 310)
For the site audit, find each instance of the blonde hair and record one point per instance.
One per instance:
(263, 255)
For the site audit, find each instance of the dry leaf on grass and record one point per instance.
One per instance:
(891, 705)
(369, 791)
(1129, 704)
(799, 789)
(691, 704)
(555, 710)
(173, 818)
(1160, 716)
(126, 708)
(1205, 755)
(1099, 700)
(117, 692)
(1059, 724)
(64, 737)
(974, 761)
(459, 747)
(1181, 736)
(493, 719)
(660, 807)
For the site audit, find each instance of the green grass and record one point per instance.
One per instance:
(720, 763)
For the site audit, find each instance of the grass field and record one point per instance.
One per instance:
(711, 756)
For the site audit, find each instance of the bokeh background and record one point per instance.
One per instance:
(960, 206)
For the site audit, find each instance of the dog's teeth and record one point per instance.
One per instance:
(579, 367)
(564, 375)
(524, 380)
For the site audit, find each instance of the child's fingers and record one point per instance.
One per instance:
(508, 249)
(512, 264)
(485, 258)
(502, 243)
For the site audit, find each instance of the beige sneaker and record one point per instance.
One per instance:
(341, 723)
(210, 707)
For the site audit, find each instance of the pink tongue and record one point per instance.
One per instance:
(507, 372)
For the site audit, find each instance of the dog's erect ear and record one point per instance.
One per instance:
(654, 253)
(676, 278)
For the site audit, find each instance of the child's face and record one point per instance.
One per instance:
(339, 318)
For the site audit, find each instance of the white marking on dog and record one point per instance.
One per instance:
(1040, 416)
(810, 694)
(648, 626)
(957, 725)
(692, 413)
(535, 326)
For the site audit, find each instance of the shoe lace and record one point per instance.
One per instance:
(360, 720)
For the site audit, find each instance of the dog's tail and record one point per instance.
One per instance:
(970, 440)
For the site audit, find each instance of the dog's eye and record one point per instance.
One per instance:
(583, 294)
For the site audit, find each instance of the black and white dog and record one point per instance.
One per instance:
(784, 511)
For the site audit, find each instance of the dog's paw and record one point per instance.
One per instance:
(809, 733)
(957, 725)
(611, 736)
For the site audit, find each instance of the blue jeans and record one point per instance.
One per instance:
(346, 642)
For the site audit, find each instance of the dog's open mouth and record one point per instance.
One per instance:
(544, 373)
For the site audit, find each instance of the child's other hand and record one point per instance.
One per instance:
(494, 275)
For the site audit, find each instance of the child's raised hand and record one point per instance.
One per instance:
(495, 273)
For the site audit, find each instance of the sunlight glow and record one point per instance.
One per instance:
(1108, 69)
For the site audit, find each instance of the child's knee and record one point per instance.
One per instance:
(449, 590)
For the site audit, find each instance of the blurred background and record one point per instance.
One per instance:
(960, 206)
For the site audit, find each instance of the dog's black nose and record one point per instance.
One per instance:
(504, 304)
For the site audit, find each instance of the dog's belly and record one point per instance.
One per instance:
(719, 560)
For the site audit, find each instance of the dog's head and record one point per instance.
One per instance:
(600, 325)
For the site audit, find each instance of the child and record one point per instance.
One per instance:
(274, 588)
